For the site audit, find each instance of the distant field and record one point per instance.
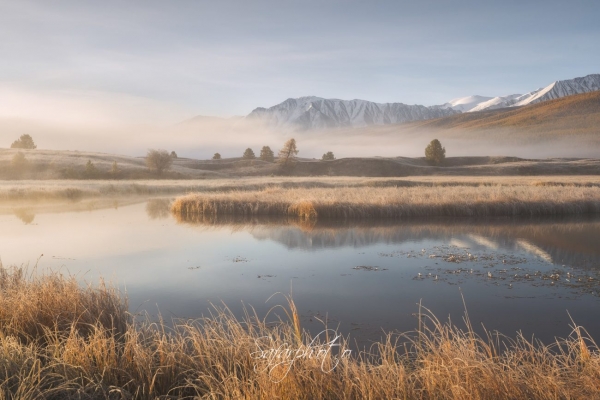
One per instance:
(70, 165)
(74, 190)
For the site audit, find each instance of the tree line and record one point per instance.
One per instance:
(161, 160)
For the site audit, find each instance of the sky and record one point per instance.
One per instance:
(163, 61)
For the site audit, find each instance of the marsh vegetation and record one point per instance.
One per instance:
(62, 340)
(407, 199)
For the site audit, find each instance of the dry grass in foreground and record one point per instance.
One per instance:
(537, 198)
(62, 341)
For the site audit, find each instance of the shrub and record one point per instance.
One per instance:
(24, 142)
(90, 171)
(434, 152)
(173, 154)
(328, 156)
(158, 160)
(19, 162)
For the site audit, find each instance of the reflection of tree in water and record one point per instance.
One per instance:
(25, 215)
(158, 208)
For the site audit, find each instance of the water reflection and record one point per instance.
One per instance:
(363, 275)
(566, 240)
(158, 208)
(25, 215)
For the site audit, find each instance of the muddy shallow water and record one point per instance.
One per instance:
(531, 275)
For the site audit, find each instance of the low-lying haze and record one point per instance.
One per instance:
(120, 78)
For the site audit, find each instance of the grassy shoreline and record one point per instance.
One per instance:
(519, 199)
(75, 190)
(61, 340)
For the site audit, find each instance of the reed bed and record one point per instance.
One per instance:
(376, 202)
(59, 340)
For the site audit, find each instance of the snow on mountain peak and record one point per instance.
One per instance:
(554, 90)
(312, 112)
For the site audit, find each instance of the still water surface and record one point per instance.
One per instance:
(526, 275)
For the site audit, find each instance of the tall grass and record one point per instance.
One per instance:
(62, 341)
(375, 202)
(76, 190)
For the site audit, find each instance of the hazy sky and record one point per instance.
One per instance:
(168, 60)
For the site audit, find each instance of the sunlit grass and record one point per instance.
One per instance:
(76, 190)
(61, 340)
(523, 199)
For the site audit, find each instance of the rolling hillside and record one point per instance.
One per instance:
(577, 114)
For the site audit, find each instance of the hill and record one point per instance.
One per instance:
(578, 113)
(54, 164)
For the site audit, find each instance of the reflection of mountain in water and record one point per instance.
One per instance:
(565, 240)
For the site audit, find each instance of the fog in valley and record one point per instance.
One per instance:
(119, 124)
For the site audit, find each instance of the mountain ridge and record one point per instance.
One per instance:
(312, 112)
(555, 90)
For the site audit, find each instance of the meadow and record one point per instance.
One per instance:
(44, 190)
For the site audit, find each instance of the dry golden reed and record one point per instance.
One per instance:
(59, 340)
(396, 202)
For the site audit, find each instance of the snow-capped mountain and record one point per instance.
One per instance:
(555, 90)
(498, 102)
(464, 104)
(316, 113)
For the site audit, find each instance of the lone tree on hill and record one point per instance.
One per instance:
(158, 160)
(248, 154)
(434, 152)
(287, 155)
(266, 154)
(328, 156)
(217, 156)
(24, 142)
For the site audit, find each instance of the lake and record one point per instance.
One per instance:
(528, 275)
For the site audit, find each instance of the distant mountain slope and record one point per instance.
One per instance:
(317, 113)
(555, 90)
(572, 114)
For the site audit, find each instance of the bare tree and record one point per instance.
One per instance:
(159, 160)
(287, 155)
